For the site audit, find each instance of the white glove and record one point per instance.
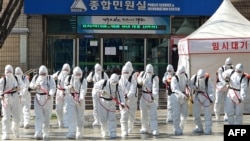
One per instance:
(37, 86)
(48, 97)
(105, 94)
(181, 97)
(70, 86)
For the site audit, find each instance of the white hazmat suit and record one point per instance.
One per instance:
(236, 94)
(75, 103)
(60, 76)
(129, 90)
(221, 91)
(10, 93)
(149, 101)
(110, 94)
(25, 101)
(179, 99)
(94, 77)
(203, 92)
(167, 81)
(43, 101)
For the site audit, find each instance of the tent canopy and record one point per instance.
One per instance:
(225, 34)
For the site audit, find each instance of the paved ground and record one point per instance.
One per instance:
(165, 131)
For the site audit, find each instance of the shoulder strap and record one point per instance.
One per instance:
(23, 77)
(222, 69)
(58, 73)
(36, 77)
(93, 73)
(206, 82)
(130, 77)
(16, 79)
(176, 78)
(243, 75)
(104, 84)
(82, 79)
(69, 78)
(195, 79)
(232, 73)
(102, 74)
(4, 81)
(153, 78)
(4, 85)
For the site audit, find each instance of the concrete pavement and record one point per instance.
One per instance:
(166, 132)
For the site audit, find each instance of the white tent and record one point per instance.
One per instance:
(225, 34)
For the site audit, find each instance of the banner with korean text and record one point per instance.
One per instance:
(214, 46)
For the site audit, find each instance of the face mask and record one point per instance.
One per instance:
(239, 73)
(149, 75)
(65, 72)
(8, 74)
(42, 77)
(19, 75)
(174, 49)
(126, 76)
(113, 84)
(77, 77)
(201, 78)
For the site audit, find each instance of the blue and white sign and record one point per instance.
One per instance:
(123, 24)
(122, 7)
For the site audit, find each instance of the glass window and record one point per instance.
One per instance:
(157, 55)
(61, 24)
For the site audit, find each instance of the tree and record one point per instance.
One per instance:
(8, 17)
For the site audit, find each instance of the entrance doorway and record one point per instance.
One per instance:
(60, 51)
(117, 51)
(111, 51)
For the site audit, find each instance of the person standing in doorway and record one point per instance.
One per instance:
(175, 56)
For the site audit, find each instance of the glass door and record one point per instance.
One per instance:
(117, 51)
(89, 53)
(60, 51)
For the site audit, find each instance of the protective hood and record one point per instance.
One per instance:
(8, 70)
(18, 71)
(66, 68)
(149, 69)
(77, 72)
(130, 66)
(239, 68)
(43, 70)
(98, 68)
(114, 78)
(228, 62)
(181, 69)
(201, 73)
(170, 68)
